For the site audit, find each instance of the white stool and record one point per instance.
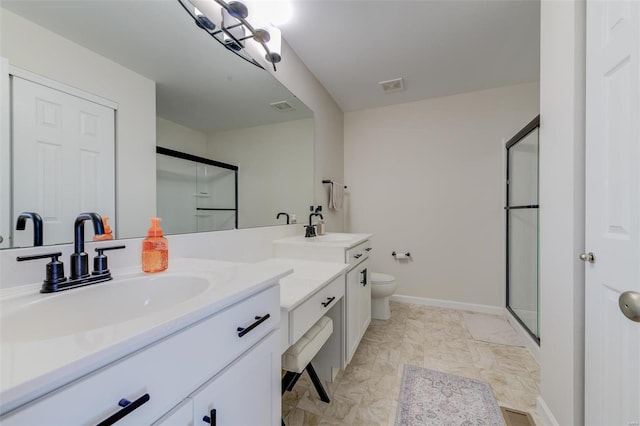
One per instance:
(298, 357)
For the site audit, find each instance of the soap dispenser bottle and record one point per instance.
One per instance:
(155, 249)
(107, 231)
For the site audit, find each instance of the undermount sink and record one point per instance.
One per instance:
(96, 306)
(332, 238)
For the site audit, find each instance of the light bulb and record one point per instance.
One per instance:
(275, 45)
(269, 12)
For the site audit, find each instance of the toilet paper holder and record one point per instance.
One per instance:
(400, 256)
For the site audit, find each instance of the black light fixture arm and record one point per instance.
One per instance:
(239, 12)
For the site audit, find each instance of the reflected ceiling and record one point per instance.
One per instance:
(199, 84)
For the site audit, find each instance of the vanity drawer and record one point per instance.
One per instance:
(305, 315)
(167, 370)
(358, 253)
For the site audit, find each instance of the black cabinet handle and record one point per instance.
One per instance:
(357, 256)
(128, 408)
(211, 418)
(328, 302)
(363, 281)
(369, 249)
(242, 330)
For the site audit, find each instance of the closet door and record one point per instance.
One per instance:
(64, 155)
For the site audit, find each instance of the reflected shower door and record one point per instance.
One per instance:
(195, 194)
(522, 228)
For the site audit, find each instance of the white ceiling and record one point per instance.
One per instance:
(440, 48)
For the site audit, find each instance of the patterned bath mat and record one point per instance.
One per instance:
(492, 329)
(433, 398)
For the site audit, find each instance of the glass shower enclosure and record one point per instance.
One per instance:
(195, 194)
(522, 228)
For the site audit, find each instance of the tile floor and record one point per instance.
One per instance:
(366, 393)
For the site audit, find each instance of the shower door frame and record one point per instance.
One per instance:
(526, 130)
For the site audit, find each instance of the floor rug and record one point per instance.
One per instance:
(492, 329)
(433, 398)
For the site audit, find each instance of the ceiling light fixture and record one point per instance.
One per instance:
(235, 23)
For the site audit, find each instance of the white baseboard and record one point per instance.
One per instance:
(534, 348)
(485, 309)
(545, 413)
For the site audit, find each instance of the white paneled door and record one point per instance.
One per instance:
(612, 343)
(64, 159)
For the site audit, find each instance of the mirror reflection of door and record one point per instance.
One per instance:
(64, 147)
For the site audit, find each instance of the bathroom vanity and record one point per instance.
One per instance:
(350, 249)
(185, 347)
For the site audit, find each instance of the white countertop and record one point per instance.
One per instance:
(31, 368)
(308, 277)
(330, 239)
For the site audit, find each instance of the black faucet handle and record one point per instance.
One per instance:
(55, 268)
(100, 265)
(53, 256)
(101, 249)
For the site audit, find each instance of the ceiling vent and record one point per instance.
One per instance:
(394, 85)
(282, 106)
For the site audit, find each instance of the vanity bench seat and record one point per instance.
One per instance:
(315, 289)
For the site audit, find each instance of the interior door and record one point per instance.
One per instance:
(64, 156)
(612, 343)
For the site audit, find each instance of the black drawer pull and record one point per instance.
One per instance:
(363, 281)
(369, 249)
(357, 256)
(128, 407)
(211, 418)
(328, 302)
(242, 331)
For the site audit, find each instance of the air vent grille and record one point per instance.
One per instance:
(517, 418)
(282, 106)
(394, 85)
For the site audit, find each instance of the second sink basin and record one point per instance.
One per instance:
(96, 306)
(333, 238)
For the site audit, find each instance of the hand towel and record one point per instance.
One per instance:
(336, 196)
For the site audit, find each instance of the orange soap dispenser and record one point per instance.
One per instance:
(107, 231)
(155, 249)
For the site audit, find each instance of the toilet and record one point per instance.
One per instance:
(382, 287)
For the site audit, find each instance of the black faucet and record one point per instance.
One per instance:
(310, 230)
(37, 226)
(80, 259)
(283, 213)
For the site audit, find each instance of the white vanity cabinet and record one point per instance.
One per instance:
(358, 306)
(354, 250)
(181, 415)
(246, 393)
(241, 372)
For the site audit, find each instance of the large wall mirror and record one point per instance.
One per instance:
(161, 82)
